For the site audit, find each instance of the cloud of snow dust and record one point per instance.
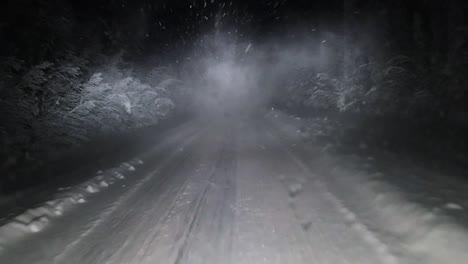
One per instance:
(238, 77)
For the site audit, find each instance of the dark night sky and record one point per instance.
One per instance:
(149, 26)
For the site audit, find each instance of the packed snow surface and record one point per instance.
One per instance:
(238, 191)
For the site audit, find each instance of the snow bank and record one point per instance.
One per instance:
(36, 219)
(418, 234)
(423, 235)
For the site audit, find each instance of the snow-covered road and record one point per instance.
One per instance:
(232, 192)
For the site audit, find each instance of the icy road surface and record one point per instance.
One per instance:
(226, 193)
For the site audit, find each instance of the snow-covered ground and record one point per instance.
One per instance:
(66, 198)
(34, 220)
(417, 211)
(239, 191)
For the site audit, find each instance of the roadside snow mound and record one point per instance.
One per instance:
(423, 235)
(36, 219)
(413, 231)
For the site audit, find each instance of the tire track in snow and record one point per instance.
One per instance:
(105, 215)
(223, 162)
(380, 247)
(367, 235)
(151, 237)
